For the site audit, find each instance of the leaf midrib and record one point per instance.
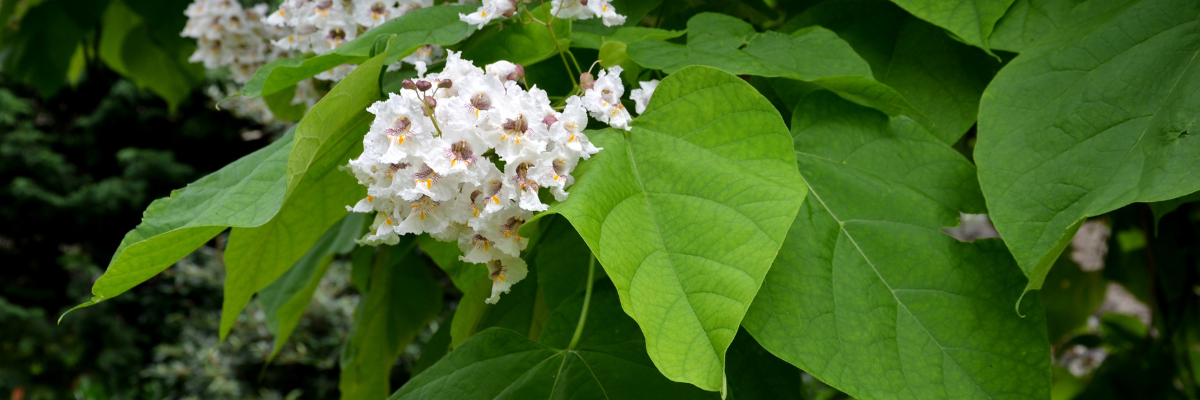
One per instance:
(842, 229)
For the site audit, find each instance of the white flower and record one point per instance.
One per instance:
(587, 9)
(228, 35)
(606, 12)
(520, 181)
(568, 129)
(504, 273)
(554, 171)
(429, 161)
(505, 71)
(641, 97)
(317, 26)
(603, 99)
(488, 11)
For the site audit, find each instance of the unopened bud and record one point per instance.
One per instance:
(518, 73)
(549, 120)
(424, 85)
(583, 2)
(445, 83)
(586, 80)
(432, 102)
(408, 84)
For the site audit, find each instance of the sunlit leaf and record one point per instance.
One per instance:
(329, 135)
(686, 211)
(245, 193)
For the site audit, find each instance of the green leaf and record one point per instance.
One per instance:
(869, 295)
(164, 71)
(433, 25)
(517, 42)
(562, 261)
(284, 301)
(436, 348)
(39, 54)
(625, 35)
(756, 374)
(402, 298)
(1027, 21)
(245, 193)
(942, 78)
(609, 363)
(445, 255)
(589, 33)
(971, 20)
(317, 195)
(1091, 118)
(814, 55)
(686, 211)
(281, 105)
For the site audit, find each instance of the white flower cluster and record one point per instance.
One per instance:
(567, 9)
(429, 162)
(320, 26)
(228, 35)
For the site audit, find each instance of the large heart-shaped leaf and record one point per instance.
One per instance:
(686, 211)
(245, 193)
(970, 20)
(813, 55)
(401, 299)
(434, 25)
(940, 77)
(869, 295)
(1091, 118)
(609, 362)
(317, 192)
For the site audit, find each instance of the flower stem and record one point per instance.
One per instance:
(587, 300)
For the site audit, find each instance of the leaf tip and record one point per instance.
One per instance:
(93, 301)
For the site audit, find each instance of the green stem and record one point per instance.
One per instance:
(587, 300)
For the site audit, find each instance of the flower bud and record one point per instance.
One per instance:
(445, 83)
(549, 120)
(586, 80)
(431, 102)
(424, 85)
(517, 73)
(408, 84)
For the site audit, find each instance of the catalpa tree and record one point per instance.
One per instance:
(673, 200)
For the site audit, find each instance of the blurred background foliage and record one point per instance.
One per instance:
(100, 113)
